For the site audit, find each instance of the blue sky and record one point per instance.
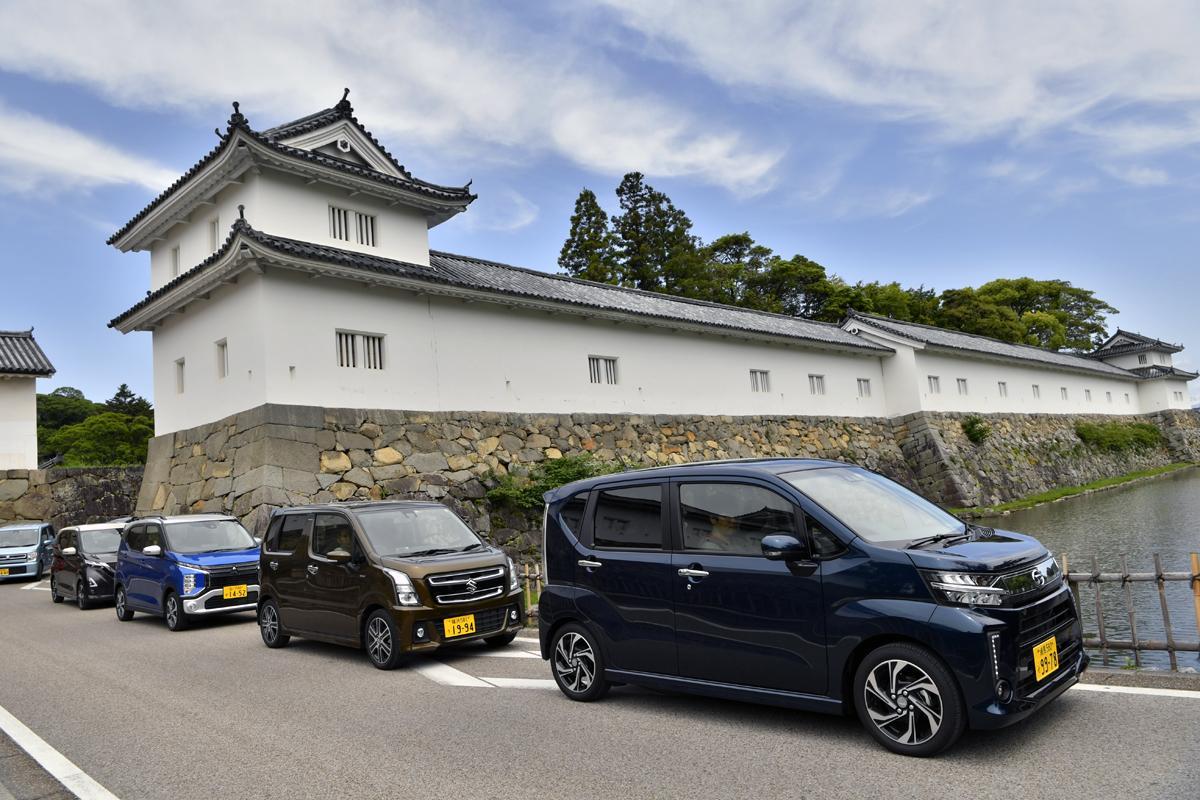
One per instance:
(932, 143)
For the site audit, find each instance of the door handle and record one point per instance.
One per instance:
(274, 565)
(583, 562)
(693, 573)
(312, 569)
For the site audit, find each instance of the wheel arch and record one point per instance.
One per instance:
(870, 645)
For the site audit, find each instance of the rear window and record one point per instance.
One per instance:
(571, 513)
(286, 534)
(629, 518)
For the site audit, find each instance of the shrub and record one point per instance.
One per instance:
(1118, 437)
(526, 491)
(976, 429)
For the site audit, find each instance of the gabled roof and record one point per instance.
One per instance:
(944, 339)
(1154, 373)
(20, 354)
(466, 276)
(238, 130)
(1125, 342)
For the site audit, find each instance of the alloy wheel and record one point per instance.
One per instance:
(379, 640)
(903, 702)
(120, 602)
(574, 662)
(270, 624)
(172, 611)
(80, 599)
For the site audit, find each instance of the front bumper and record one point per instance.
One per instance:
(495, 617)
(214, 602)
(99, 585)
(19, 569)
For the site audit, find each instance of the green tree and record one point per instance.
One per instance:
(656, 250)
(968, 311)
(64, 406)
(1081, 314)
(588, 252)
(126, 402)
(104, 439)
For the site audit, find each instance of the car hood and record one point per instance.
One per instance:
(219, 559)
(994, 551)
(19, 551)
(105, 558)
(450, 562)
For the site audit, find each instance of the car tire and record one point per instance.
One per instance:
(908, 700)
(55, 597)
(500, 640)
(80, 597)
(577, 664)
(381, 640)
(121, 604)
(37, 575)
(270, 626)
(173, 613)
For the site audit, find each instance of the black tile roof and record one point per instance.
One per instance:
(973, 343)
(238, 123)
(1151, 373)
(1139, 344)
(20, 354)
(478, 274)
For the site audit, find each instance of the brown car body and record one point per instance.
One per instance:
(333, 600)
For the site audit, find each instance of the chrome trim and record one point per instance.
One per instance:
(446, 599)
(195, 605)
(589, 564)
(458, 578)
(693, 573)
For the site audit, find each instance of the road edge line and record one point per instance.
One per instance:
(61, 768)
(1104, 687)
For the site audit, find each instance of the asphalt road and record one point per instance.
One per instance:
(211, 712)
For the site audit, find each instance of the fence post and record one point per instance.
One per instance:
(1162, 600)
(1095, 581)
(1196, 587)
(525, 586)
(1128, 591)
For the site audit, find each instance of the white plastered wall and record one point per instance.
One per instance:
(18, 423)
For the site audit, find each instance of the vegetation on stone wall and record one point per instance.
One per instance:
(525, 491)
(1119, 437)
(89, 434)
(976, 429)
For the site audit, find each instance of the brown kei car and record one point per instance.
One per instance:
(393, 578)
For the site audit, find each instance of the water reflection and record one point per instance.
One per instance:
(1158, 516)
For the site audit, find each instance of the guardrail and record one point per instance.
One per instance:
(1100, 639)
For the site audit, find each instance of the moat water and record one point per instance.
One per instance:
(1160, 516)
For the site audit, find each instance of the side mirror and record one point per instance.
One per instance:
(68, 551)
(784, 547)
(258, 540)
(152, 550)
(339, 556)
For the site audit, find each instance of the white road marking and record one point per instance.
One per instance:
(528, 640)
(522, 683)
(507, 654)
(78, 782)
(1098, 687)
(37, 585)
(447, 675)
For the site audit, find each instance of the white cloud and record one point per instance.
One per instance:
(454, 80)
(1014, 171)
(503, 211)
(1119, 75)
(37, 155)
(890, 202)
(1139, 176)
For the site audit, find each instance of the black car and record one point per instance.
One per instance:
(809, 584)
(82, 565)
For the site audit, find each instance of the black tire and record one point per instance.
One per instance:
(37, 576)
(500, 640)
(173, 613)
(81, 598)
(270, 626)
(913, 705)
(120, 603)
(55, 597)
(381, 640)
(578, 664)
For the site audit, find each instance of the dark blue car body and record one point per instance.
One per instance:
(793, 633)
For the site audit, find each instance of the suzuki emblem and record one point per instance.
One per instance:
(472, 585)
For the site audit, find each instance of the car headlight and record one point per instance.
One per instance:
(966, 588)
(97, 564)
(514, 582)
(406, 593)
(192, 582)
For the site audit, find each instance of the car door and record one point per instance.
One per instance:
(145, 573)
(333, 589)
(624, 573)
(129, 561)
(739, 618)
(68, 565)
(285, 558)
(45, 546)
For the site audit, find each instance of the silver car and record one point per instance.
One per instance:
(25, 549)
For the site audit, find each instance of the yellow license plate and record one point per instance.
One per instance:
(1045, 658)
(234, 592)
(459, 626)
(4, 571)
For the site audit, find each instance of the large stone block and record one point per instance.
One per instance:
(13, 488)
(291, 454)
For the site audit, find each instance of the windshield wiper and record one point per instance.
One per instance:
(436, 551)
(938, 537)
(475, 546)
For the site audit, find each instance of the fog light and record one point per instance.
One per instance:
(513, 615)
(420, 634)
(1004, 691)
(189, 606)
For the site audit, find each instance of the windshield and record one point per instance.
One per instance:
(417, 531)
(870, 505)
(209, 536)
(18, 537)
(100, 541)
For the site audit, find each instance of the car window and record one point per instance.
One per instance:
(135, 537)
(151, 535)
(332, 535)
(291, 534)
(629, 518)
(824, 543)
(732, 518)
(571, 512)
(97, 540)
(64, 539)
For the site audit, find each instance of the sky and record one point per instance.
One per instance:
(932, 143)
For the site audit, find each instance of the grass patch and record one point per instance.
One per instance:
(1117, 437)
(1070, 491)
(525, 491)
(976, 429)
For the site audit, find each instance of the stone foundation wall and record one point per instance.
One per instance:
(274, 456)
(68, 496)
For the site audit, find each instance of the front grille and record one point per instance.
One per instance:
(214, 603)
(16, 570)
(234, 575)
(1027, 683)
(489, 620)
(1038, 621)
(452, 588)
(17, 557)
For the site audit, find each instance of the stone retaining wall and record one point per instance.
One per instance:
(68, 496)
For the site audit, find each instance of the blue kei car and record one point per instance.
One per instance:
(181, 568)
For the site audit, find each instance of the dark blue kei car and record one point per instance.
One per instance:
(809, 584)
(182, 568)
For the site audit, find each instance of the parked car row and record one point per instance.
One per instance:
(807, 584)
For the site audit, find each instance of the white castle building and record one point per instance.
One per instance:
(22, 362)
(292, 266)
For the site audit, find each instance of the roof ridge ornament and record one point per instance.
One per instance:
(240, 224)
(343, 105)
(237, 119)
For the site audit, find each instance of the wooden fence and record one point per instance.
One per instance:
(531, 581)
(1099, 639)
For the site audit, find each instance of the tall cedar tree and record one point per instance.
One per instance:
(588, 252)
(655, 247)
